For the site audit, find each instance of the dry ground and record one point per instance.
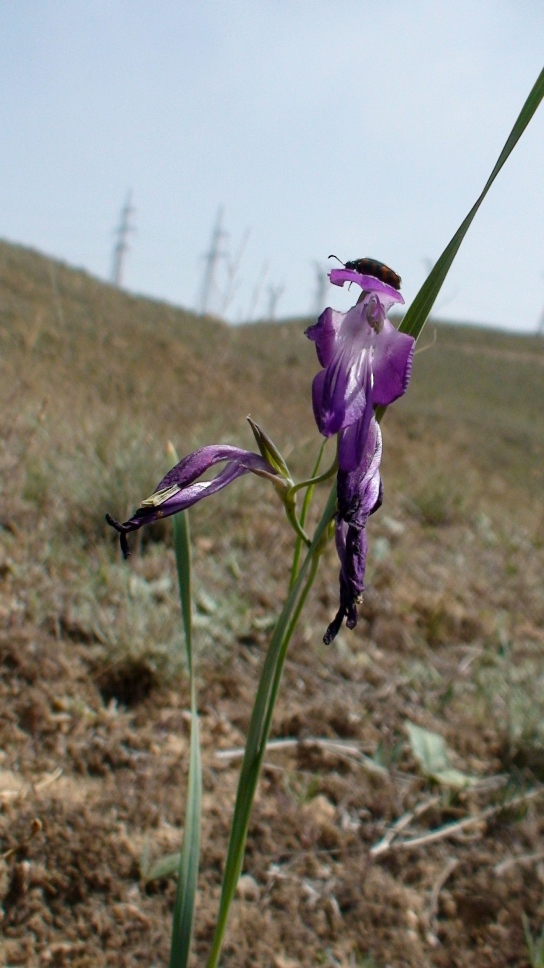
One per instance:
(94, 732)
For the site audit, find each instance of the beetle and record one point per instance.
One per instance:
(371, 267)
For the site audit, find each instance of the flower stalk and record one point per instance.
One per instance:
(303, 514)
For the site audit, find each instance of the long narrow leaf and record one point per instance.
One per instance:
(182, 547)
(418, 312)
(184, 907)
(259, 727)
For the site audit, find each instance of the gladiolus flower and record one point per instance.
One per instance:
(366, 363)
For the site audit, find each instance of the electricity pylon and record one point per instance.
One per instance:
(121, 246)
(212, 259)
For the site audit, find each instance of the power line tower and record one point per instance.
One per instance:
(256, 295)
(274, 295)
(212, 258)
(321, 281)
(233, 274)
(121, 246)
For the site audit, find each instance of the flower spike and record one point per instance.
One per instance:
(366, 363)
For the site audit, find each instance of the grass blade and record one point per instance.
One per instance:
(184, 907)
(182, 547)
(259, 728)
(417, 314)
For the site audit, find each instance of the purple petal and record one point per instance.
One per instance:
(342, 392)
(324, 333)
(322, 417)
(359, 490)
(179, 489)
(351, 545)
(197, 463)
(359, 495)
(392, 365)
(353, 441)
(369, 283)
(188, 496)
(367, 363)
(353, 572)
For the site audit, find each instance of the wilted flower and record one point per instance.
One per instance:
(180, 488)
(366, 363)
(359, 494)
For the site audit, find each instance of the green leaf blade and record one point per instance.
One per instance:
(184, 907)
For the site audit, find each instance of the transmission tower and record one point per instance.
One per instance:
(256, 295)
(212, 258)
(274, 295)
(321, 280)
(121, 246)
(233, 275)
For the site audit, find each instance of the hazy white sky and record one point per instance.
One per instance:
(361, 127)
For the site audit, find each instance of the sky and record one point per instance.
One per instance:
(359, 127)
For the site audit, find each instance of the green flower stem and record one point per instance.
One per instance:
(291, 512)
(261, 720)
(325, 476)
(303, 515)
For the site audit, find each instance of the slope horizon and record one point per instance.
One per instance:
(137, 294)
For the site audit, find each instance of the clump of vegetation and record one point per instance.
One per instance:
(437, 503)
(510, 683)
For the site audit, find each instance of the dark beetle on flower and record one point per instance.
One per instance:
(371, 267)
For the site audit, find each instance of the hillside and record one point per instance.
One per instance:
(94, 382)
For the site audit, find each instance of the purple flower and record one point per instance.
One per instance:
(359, 494)
(366, 363)
(180, 488)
